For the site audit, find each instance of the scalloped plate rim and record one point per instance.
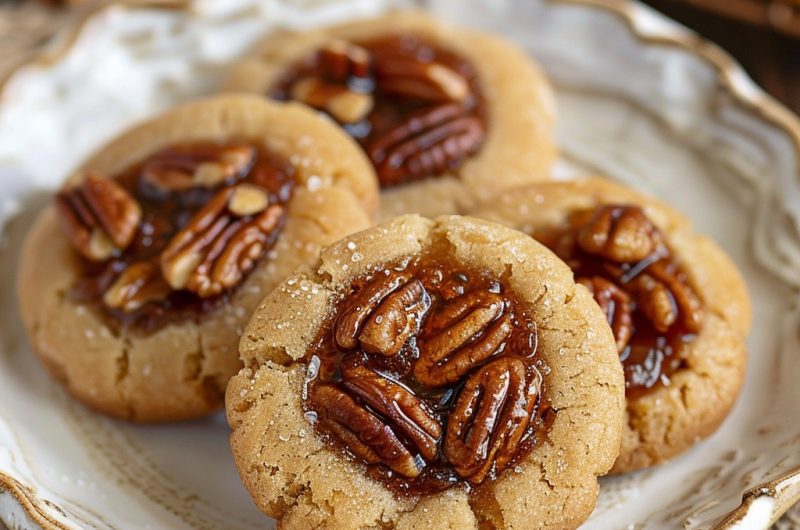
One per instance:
(729, 72)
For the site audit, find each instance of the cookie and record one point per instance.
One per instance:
(678, 306)
(427, 374)
(135, 284)
(446, 114)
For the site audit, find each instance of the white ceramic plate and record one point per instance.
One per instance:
(639, 98)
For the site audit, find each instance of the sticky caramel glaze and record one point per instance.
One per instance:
(164, 214)
(651, 357)
(443, 282)
(390, 110)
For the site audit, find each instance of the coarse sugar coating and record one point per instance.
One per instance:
(298, 476)
(699, 377)
(180, 367)
(448, 115)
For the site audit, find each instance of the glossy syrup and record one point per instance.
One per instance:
(165, 213)
(651, 356)
(442, 283)
(390, 110)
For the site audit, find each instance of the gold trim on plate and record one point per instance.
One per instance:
(783, 490)
(27, 498)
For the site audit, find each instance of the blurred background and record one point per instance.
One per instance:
(763, 35)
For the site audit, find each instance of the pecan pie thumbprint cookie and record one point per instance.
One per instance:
(677, 305)
(428, 374)
(136, 283)
(446, 115)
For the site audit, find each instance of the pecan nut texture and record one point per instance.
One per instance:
(138, 285)
(222, 241)
(406, 412)
(411, 77)
(430, 141)
(345, 63)
(616, 305)
(345, 105)
(365, 434)
(99, 216)
(343, 85)
(619, 233)
(376, 438)
(166, 238)
(663, 294)
(415, 108)
(184, 167)
(464, 333)
(412, 349)
(395, 320)
(490, 417)
(622, 257)
(383, 315)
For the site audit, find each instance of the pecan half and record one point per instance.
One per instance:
(361, 431)
(248, 199)
(383, 315)
(468, 330)
(218, 246)
(397, 319)
(408, 76)
(138, 284)
(397, 404)
(490, 418)
(341, 61)
(346, 105)
(99, 216)
(616, 304)
(665, 297)
(619, 233)
(427, 142)
(181, 168)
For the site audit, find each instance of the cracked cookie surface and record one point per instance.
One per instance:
(179, 369)
(481, 113)
(656, 279)
(301, 478)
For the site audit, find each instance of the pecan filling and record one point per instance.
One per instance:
(168, 239)
(429, 376)
(416, 109)
(622, 258)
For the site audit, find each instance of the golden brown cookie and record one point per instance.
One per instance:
(446, 114)
(678, 306)
(427, 374)
(135, 285)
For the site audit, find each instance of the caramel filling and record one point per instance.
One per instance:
(622, 258)
(428, 374)
(416, 109)
(172, 237)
